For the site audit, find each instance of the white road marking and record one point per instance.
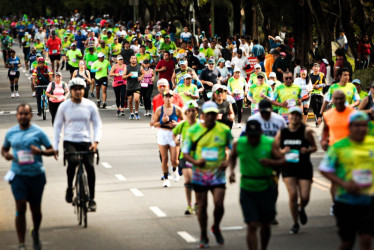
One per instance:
(24, 71)
(1, 112)
(322, 183)
(120, 177)
(136, 192)
(13, 112)
(106, 165)
(232, 228)
(157, 211)
(320, 186)
(187, 237)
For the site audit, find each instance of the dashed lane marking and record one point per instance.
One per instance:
(106, 165)
(157, 211)
(187, 237)
(136, 192)
(120, 177)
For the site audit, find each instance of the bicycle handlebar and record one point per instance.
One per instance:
(41, 86)
(82, 153)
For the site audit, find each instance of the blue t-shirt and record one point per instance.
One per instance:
(21, 29)
(20, 141)
(31, 58)
(80, 41)
(273, 44)
(14, 61)
(258, 50)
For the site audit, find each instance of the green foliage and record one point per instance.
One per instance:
(365, 75)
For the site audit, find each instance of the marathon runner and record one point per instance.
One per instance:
(84, 74)
(54, 48)
(41, 75)
(73, 56)
(90, 58)
(57, 92)
(306, 88)
(147, 87)
(101, 67)
(13, 63)
(368, 102)
(119, 85)
(318, 81)
(258, 91)
(236, 87)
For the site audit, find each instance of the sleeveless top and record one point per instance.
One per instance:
(370, 102)
(147, 80)
(172, 117)
(118, 80)
(224, 109)
(133, 83)
(81, 76)
(296, 140)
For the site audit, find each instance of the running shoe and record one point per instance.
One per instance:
(33, 94)
(149, 113)
(196, 208)
(22, 247)
(175, 176)
(141, 104)
(180, 172)
(91, 206)
(69, 195)
(217, 233)
(204, 242)
(104, 105)
(132, 116)
(122, 113)
(189, 210)
(92, 95)
(332, 212)
(303, 217)
(17, 95)
(137, 117)
(98, 103)
(295, 228)
(239, 125)
(36, 241)
(118, 113)
(166, 183)
(163, 177)
(12, 95)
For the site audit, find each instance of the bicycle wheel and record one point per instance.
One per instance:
(83, 199)
(77, 203)
(44, 108)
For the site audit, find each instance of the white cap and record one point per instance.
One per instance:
(236, 70)
(101, 54)
(325, 61)
(228, 64)
(272, 74)
(162, 81)
(257, 66)
(187, 76)
(278, 38)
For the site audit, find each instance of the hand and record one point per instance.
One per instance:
(55, 154)
(200, 163)
(8, 156)
(187, 94)
(232, 177)
(163, 68)
(93, 147)
(130, 74)
(54, 97)
(177, 142)
(219, 116)
(303, 150)
(325, 145)
(262, 95)
(265, 162)
(319, 121)
(140, 78)
(351, 187)
(99, 69)
(284, 104)
(35, 150)
(210, 84)
(165, 118)
(223, 166)
(285, 150)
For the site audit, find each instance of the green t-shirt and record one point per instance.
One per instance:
(104, 65)
(73, 57)
(208, 52)
(181, 129)
(116, 49)
(65, 46)
(90, 59)
(104, 50)
(290, 94)
(371, 128)
(39, 47)
(152, 51)
(182, 88)
(27, 42)
(255, 92)
(140, 58)
(350, 160)
(363, 94)
(168, 47)
(350, 91)
(250, 165)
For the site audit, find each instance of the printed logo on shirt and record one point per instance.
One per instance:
(292, 142)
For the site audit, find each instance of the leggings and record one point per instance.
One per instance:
(53, 106)
(146, 94)
(316, 104)
(120, 91)
(239, 110)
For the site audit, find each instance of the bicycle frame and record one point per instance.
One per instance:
(44, 101)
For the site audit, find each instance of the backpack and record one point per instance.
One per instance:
(42, 79)
(54, 86)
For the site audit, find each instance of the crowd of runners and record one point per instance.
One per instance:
(204, 86)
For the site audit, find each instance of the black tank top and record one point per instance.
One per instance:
(296, 140)
(224, 109)
(370, 102)
(80, 76)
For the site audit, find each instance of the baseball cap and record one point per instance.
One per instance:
(73, 44)
(261, 74)
(295, 109)
(316, 64)
(236, 70)
(146, 61)
(162, 82)
(356, 81)
(167, 36)
(357, 116)
(119, 57)
(257, 66)
(100, 54)
(211, 61)
(182, 62)
(58, 74)
(168, 92)
(210, 106)
(272, 74)
(38, 54)
(221, 60)
(271, 82)
(217, 87)
(283, 54)
(253, 127)
(325, 61)
(191, 104)
(187, 76)
(265, 106)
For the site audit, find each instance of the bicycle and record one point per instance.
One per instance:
(44, 101)
(81, 195)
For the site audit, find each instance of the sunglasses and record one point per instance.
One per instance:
(288, 78)
(168, 96)
(219, 92)
(211, 63)
(260, 77)
(191, 110)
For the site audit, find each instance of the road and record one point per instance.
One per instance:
(134, 211)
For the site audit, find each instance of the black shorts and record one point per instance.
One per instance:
(55, 57)
(72, 69)
(258, 206)
(301, 172)
(102, 81)
(12, 77)
(131, 92)
(183, 165)
(202, 189)
(92, 74)
(353, 219)
(29, 188)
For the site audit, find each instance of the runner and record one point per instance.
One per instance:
(73, 56)
(166, 118)
(180, 131)
(41, 75)
(205, 147)
(297, 143)
(77, 115)
(348, 164)
(134, 74)
(54, 47)
(208, 77)
(258, 91)
(147, 87)
(362, 94)
(367, 103)
(13, 63)
(101, 68)
(236, 86)
(6, 44)
(90, 58)
(226, 113)
(119, 85)
(26, 40)
(165, 68)
(26, 175)
(84, 74)
(258, 190)
(65, 45)
(187, 90)
(306, 88)
(318, 81)
(57, 92)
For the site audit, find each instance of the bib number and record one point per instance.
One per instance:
(54, 51)
(134, 74)
(74, 60)
(209, 154)
(291, 103)
(12, 73)
(144, 85)
(90, 63)
(293, 156)
(364, 178)
(25, 157)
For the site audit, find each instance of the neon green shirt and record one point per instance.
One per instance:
(104, 65)
(182, 88)
(290, 94)
(350, 91)
(181, 129)
(363, 94)
(255, 92)
(90, 59)
(116, 49)
(104, 50)
(140, 58)
(39, 47)
(208, 52)
(73, 57)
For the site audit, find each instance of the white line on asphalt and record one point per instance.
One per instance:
(187, 237)
(27, 75)
(322, 183)
(120, 177)
(320, 186)
(157, 211)
(232, 228)
(12, 112)
(1, 112)
(136, 192)
(24, 71)
(106, 165)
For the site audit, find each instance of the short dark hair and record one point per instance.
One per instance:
(340, 72)
(287, 72)
(340, 52)
(24, 105)
(167, 52)
(255, 41)
(298, 61)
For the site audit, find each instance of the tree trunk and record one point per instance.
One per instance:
(237, 4)
(348, 26)
(303, 32)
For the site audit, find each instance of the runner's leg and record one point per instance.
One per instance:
(202, 201)
(164, 150)
(136, 98)
(291, 184)
(304, 188)
(265, 233)
(21, 206)
(218, 197)
(252, 236)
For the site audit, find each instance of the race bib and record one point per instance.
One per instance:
(134, 74)
(144, 85)
(54, 51)
(293, 156)
(90, 63)
(74, 60)
(12, 73)
(25, 157)
(363, 178)
(209, 154)
(121, 72)
(291, 103)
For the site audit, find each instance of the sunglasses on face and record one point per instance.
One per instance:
(219, 92)
(191, 110)
(168, 96)
(260, 77)
(211, 63)
(288, 78)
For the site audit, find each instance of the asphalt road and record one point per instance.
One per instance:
(134, 211)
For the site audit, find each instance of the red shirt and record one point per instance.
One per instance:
(158, 101)
(46, 71)
(54, 46)
(364, 48)
(168, 73)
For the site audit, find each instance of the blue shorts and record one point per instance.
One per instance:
(29, 188)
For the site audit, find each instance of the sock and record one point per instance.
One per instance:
(63, 64)
(166, 176)
(12, 88)
(174, 169)
(16, 87)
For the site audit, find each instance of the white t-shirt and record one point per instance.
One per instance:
(40, 36)
(305, 86)
(270, 127)
(121, 33)
(342, 40)
(186, 36)
(296, 71)
(245, 48)
(240, 63)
